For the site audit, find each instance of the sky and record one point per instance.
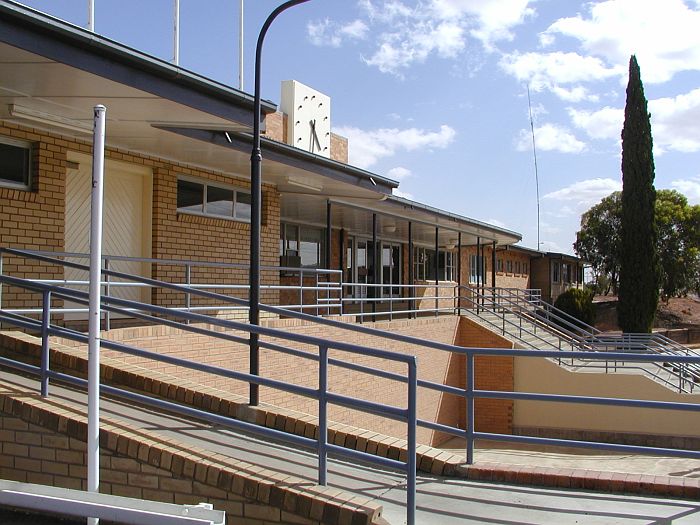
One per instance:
(434, 93)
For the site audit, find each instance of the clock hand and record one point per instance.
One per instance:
(314, 136)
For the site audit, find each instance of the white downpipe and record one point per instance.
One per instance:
(91, 15)
(176, 34)
(93, 437)
(240, 48)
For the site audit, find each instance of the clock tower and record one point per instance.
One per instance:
(308, 117)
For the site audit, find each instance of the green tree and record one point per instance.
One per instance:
(638, 294)
(598, 242)
(678, 241)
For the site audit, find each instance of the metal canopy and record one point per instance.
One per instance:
(393, 216)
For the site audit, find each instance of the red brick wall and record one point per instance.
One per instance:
(491, 373)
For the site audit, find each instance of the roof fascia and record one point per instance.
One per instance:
(294, 157)
(65, 43)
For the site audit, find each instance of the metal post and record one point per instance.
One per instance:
(328, 253)
(478, 273)
(322, 414)
(493, 274)
(45, 323)
(256, 198)
(188, 282)
(341, 265)
(176, 33)
(459, 273)
(470, 409)
(375, 268)
(91, 15)
(108, 318)
(411, 276)
(437, 260)
(240, 48)
(411, 452)
(93, 437)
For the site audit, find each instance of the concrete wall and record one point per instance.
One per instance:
(542, 375)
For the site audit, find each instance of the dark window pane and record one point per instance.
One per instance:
(219, 201)
(243, 201)
(14, 164)
(190, 196)
(310, 247)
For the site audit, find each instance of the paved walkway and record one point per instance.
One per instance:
(440, 500)
(569, 457)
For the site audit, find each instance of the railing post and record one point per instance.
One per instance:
(108, 320)
(301, 290)
(412, 439)
(45, 323)
(470, 408)
(322, 414)
(318, 311)
(188, 282)
(2, 257)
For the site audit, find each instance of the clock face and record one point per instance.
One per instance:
(308, 117)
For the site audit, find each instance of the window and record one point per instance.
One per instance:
(447, 269)
(15, 163)
(424, 264)
(476, 269)
(524, 268)
(517, 266)
(555, 272)
(203, 198)
(499, 265)
(306, 243)
(509, 266)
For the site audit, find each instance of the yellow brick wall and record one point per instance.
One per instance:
(36, 220)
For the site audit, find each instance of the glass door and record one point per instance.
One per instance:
(391, 269)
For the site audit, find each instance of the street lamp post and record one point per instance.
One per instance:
(256, 191)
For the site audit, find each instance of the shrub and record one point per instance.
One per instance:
(577, 303)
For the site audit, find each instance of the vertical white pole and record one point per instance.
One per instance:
(91, 15)
(176, 34)
(240, 48)
(93, 437)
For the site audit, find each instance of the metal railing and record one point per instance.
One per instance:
(81, 504)
(323, 285)
(520, 317)
(468, 391)
(157, 315)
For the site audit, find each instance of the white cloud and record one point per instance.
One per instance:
(675, 122)
(491, 20)
(580, 196)
(398, 173)
(606, 123)
(366, 147)
(559, 72)
(663, 34)
(498, 223)
(328, 33)
(688, 187)
(550, 137)
(403, 194)
(407, 35)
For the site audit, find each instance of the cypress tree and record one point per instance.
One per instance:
(639, 267)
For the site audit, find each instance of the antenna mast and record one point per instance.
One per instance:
(534, 155)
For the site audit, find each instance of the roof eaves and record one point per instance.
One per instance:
(454, 216)
(67, 32)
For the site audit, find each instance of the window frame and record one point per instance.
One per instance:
(29, 146)
(556, 272)
(219, 185)
(477, 269)
(284, 249)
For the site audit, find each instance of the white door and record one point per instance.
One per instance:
(126, 225)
